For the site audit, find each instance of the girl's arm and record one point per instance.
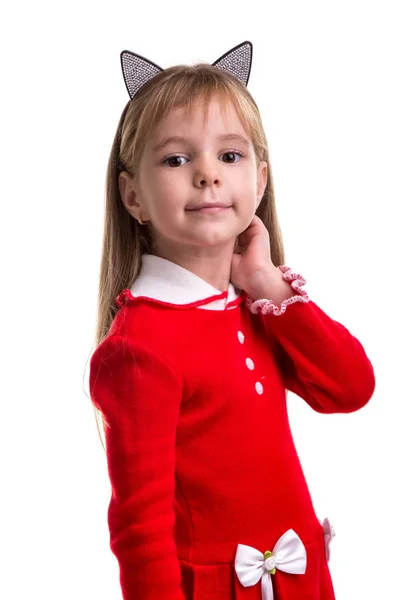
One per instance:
(139, 395)
(321, 361)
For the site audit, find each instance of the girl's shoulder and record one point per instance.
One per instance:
(144, 321)
(138, 329)
(138, 316)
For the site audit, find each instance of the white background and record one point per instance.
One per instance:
(325, 76)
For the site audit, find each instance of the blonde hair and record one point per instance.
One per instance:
(124, 240)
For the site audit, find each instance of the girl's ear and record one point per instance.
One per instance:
(262, 178)
(128, 194)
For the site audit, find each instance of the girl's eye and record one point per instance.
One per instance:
(174, 161)
(228, 157)
(231, 156)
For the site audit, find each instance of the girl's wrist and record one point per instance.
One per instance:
(271, 285)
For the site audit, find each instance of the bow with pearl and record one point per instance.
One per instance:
(329, 534)
(289, 555)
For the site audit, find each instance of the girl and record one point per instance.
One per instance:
(201, 332)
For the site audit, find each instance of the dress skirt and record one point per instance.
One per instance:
(220, 582)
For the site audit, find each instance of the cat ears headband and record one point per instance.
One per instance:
(137, 70)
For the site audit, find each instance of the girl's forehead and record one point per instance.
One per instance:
(203, 106)
(199, 111)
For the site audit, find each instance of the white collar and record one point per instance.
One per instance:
(163, 280)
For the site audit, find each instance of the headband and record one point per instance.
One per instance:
(137, 70)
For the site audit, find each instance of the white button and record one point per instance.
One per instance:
(241, 337)
(249, 364)
(259, 388)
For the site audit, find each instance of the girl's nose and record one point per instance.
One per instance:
(207, 181)
(206, 175)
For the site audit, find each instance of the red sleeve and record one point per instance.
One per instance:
(321, 361)
(139, 395)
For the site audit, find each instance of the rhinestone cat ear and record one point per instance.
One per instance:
(237, 61)
(137, 70)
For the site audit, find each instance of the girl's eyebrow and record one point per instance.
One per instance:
(179, 139)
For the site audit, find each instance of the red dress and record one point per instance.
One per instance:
(192, 383)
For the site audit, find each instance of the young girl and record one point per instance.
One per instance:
(201, 332)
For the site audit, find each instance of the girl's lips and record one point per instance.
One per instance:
(210, 209)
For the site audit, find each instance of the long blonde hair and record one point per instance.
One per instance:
(124, 240)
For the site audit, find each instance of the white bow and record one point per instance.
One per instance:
(289, 555)
(329, 534)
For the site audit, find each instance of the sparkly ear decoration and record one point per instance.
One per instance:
(137, 70)
(237, 61)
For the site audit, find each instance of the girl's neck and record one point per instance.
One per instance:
(211, 264)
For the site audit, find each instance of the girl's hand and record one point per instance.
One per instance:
(251, 267)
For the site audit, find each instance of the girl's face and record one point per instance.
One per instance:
(211, 164)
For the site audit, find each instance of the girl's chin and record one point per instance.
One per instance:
(212, 241)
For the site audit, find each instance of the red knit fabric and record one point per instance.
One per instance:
(199, 449)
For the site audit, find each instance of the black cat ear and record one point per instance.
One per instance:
(137, 70)
(237, 61)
